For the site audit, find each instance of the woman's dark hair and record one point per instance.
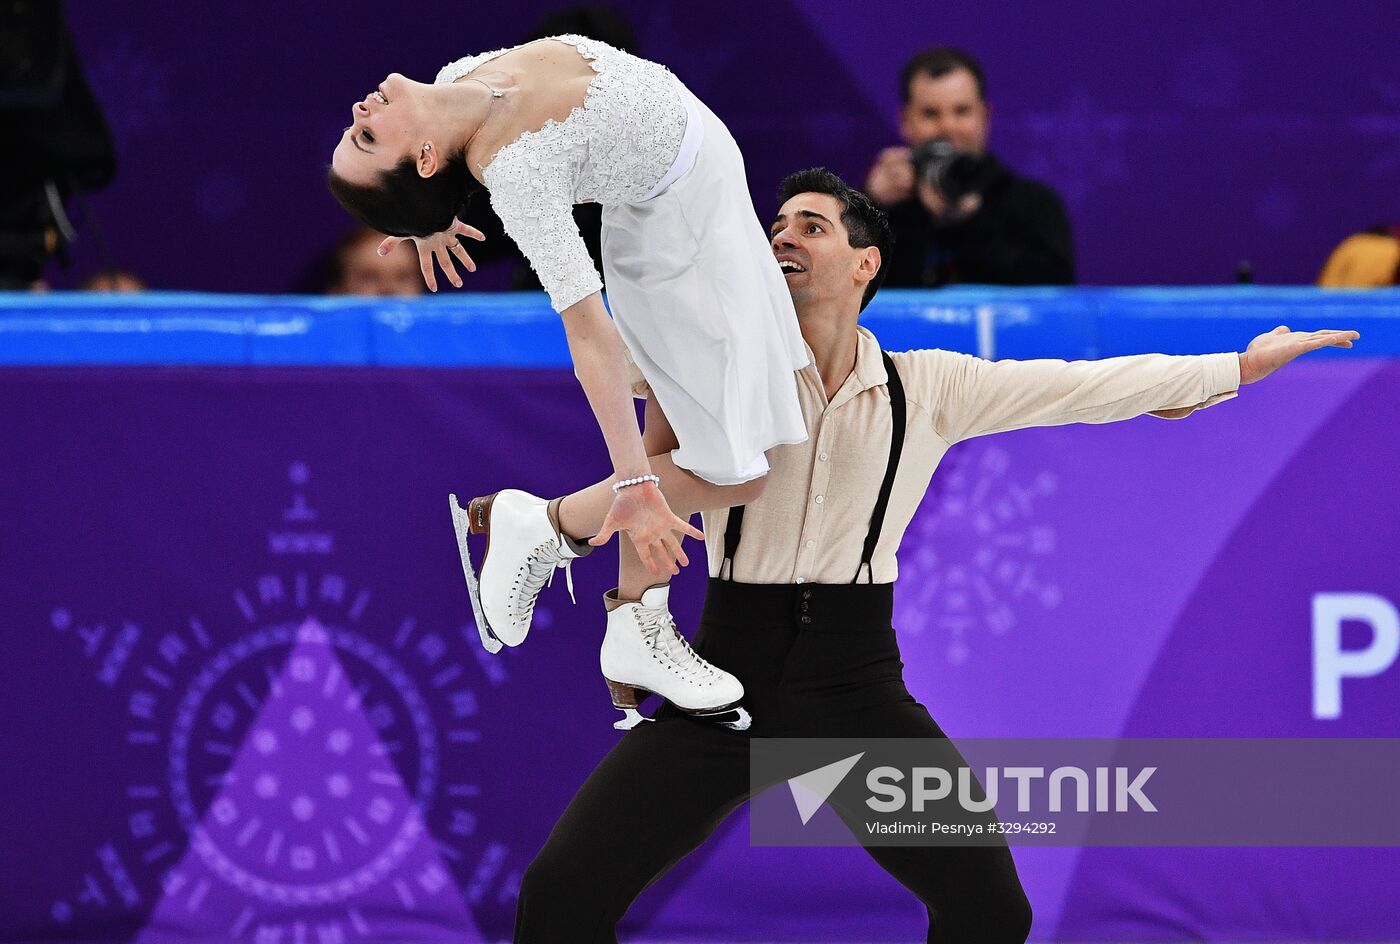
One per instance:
(866, 224)
(404, 204)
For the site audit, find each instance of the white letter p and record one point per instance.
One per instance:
(1331, 663)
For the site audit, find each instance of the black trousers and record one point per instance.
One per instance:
(816, 661)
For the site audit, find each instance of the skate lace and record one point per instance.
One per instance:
(538, 573)
(660, 633)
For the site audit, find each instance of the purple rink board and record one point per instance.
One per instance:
(243, 696)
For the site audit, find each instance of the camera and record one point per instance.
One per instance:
(953, 174)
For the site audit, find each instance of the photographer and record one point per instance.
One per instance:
(958, 214)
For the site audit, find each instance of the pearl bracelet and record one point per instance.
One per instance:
(619, 486)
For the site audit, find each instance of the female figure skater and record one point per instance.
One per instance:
(695, 294)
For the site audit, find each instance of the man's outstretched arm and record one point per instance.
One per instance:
(1270, 351)
(968, 396)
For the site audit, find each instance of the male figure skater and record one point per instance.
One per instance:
(801, 588)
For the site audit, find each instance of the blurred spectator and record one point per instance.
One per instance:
(112, 280)
(960, 215)
(56, 141)
(595, 21)
(357, 268)
(1366, 260)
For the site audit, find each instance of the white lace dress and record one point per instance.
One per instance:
(692, 284)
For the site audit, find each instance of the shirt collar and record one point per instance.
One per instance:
(869, 371)
(870, 366)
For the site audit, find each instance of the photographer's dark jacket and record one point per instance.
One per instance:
(1019, 236)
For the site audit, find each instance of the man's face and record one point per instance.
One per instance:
(814, 250)
(946, 107)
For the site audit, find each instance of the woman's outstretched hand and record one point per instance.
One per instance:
(642, 512)
(445, 246)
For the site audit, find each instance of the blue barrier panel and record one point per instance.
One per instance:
(905, 319)
(514, 330)
(520, 330)
(179, 328)
(1202, 320)
(1027, 322)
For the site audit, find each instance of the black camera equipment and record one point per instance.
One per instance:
(953, 174)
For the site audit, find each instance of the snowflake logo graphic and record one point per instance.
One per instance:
(973, 555)
(297, 762)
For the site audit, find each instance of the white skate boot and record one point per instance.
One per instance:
(643, 653)
(523, 548)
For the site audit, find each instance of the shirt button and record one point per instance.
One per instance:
(820, 499)
(822, 457)
(811, 543)
(800, 580)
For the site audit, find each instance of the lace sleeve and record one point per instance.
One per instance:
(535, 202)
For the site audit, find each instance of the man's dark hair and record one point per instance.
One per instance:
(936, 63)
(402, 203)
(866, 224)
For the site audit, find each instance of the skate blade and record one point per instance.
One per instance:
(735, 717)
(461, 524)
(631, 717)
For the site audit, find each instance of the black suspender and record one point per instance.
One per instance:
(731, 540)
(898, 417)
(877, 517)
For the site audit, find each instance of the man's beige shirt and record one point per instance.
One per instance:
(810, 524)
